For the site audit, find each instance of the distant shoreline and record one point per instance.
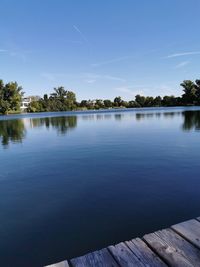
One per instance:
(93, 111)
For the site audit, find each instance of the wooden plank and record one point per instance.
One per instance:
(124, 256)
(177, 247)
(101, 258)
(190, 230)
(169, 253)
(185, 248)
(59, 264)
(144, 253)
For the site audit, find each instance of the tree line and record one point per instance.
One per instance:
(11, 96)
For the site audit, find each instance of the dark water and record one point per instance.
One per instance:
(71, 184)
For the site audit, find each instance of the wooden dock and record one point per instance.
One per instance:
(177, 246)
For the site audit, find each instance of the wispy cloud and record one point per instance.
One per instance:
(48, 76)
(125, 89)
(87, 77)
(131, 91)
(80, 33)
(110, 61)
(17, 53)
(183, 54)
(182, 64)
(52, 76)
(114, 78)
(20, 54)
(95, 76)
(90, 81)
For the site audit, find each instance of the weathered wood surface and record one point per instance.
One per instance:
(170, 254)
(182, 246)
(59, 264)
(178, 246)
(173, 248)
(98, 258)
(124, 256)
(144, 253)
(190, 230)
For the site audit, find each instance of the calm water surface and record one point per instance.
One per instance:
(71, 183)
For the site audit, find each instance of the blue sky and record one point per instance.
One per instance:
(100, 49)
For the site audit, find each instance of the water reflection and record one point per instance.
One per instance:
(166, 115)
(14, 131)
(119, 117)
(141, 116)
(61, 124)
(191, 120)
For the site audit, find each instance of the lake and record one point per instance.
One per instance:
(75, 182)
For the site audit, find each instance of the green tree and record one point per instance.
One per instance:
(149, 101)
(62, 100)
(59, 93)
(99, 104)
(124, 104)
(108, 103)
(197, 85)
(169, 101)
(133, 104)
(45, 97)
(70, 100)
(189, 88)
(140, 100)
(157, 102)
(118, 101)
(10, 97)
(35, 106)
(84, 103)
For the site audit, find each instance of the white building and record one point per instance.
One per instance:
(27, 100)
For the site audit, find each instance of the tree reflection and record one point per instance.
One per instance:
(15, 130)
(12, 131)
(149, 115)
(142, 116)
(61, 124)
(191, 120)
(118, 117)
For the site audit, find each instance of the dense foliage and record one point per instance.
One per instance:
(59, 100)
(10, 97)
(63, 100)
